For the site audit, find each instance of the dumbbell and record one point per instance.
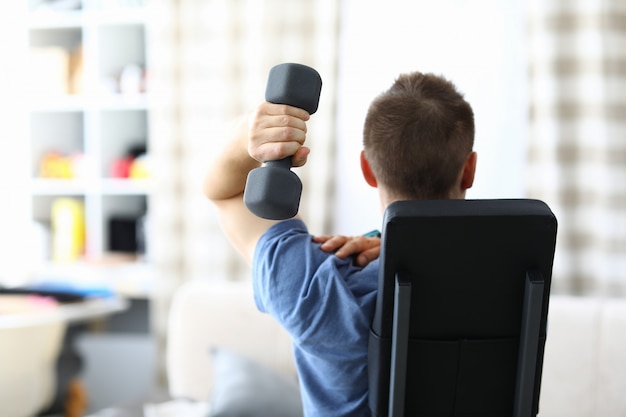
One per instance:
(273, 191)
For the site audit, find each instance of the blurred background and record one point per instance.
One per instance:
(112, 110)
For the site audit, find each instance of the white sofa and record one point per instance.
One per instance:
(584, 373)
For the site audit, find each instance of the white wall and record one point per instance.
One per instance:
(479, 45)
(15, 251)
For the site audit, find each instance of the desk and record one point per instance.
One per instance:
(33, 340)
(76, 312)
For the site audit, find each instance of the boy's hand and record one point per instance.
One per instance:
(277, 131)
(365, 248)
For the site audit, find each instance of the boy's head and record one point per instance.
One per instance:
(418, 139)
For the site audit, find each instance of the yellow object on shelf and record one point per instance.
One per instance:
(68, 229)
(56, 165)
(140, 168)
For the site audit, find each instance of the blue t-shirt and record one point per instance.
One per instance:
(327, 305)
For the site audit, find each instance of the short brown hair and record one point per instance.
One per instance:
(417, 136)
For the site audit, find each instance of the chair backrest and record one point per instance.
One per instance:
(460, 321)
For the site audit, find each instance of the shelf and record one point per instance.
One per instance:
(115, 16)
(77, 187)
(89, 117)
(114, 186)
(60, 103)
(78, 103)
(52, 187)
(49, 19)
(118, 101)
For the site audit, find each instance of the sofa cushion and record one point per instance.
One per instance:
(243, 387)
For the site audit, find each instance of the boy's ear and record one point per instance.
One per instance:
(369, 176)
(469, 171)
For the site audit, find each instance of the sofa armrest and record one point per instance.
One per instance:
(612, 363)
(584, 368)
(569, 367)
(207, 314)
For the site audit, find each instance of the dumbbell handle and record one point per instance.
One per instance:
(280, 163)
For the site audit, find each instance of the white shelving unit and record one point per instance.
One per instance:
(89, 105)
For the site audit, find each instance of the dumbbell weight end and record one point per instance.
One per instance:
(273, 191)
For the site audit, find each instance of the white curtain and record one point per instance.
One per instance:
(209, 64)
(577, 155)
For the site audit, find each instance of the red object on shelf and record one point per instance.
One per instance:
(120, 168)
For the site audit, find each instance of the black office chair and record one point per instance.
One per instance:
(460, 321)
